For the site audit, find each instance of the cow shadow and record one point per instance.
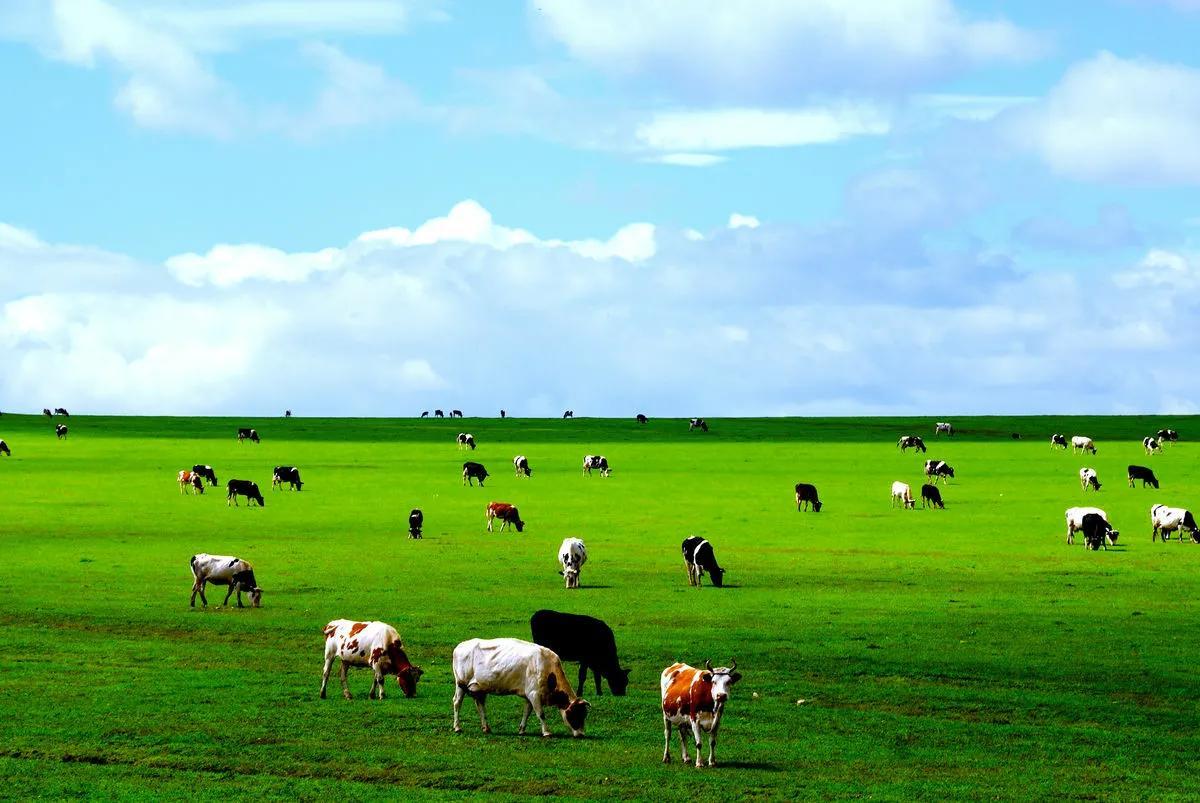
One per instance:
(749, 765)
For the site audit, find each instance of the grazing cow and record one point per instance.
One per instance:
(698, 423)
(246, 488)
(910, 442)
(938, 469)
(503, 414)
(438, 414)
(585, 639)
(1088, 479)
(1016, 436)
(1075, 516)
(641, 419)
(288, 474)
(1144, 474)
(698, 558)
(569, 414)
(190, 479)
(695, 698)
(1167, 436)
(466, 439)
(1097, 532)
(224, 570)
(521, 466)
(1080, 443)
(1151, 445)
(1166, 520)
(931, 497)
(424, 414)
(472, 472)
(60, 431)
(597, 462)
(456, 414)
(4, 450)
(46, 412)
(1057, 440)
(62, 411)
(943, 428)
(902, 493)
(416, 520)
(512, 666)
(807, 495)
(287, 413)
(508, 514)
(371, 644)
(247, 434)
(572, 554)
(207, 473)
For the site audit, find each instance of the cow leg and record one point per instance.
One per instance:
(696, 736)
(683, 742)
(325, 675)
(712, 745)
(198, 588)
(379, 682)
(537, 710)
(459, 693)
(583, 668)
(525, 717)
(239, 595)
(228, 594)
(481, 704)
(345, 684)
(666, 740)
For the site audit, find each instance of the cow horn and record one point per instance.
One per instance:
(708, 664)
(733, 665)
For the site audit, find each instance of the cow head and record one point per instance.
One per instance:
(618, 682)
(407, 678)
(1112, 536)
(816, 506)
(575, 715)
(255, 597)
(718, 576)
(722, 678)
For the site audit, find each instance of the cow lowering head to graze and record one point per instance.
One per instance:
(1167, 436)
(521, 466)
(503, 414)
(474, 471)
(1016, 436)
(375, 645)
(62, 411)
(806, 495)
(424, 414)
(938, 470)
(910, 442)
(416, 520)
(943, 428)
(641, 419)
(224, 570)
(465, 440)
(1151, 445)
(438, 414)
(596, 462)
(512, 666)
(585, 639)
(288, 474)
(508, 514)
(1057, 441)
(698, 423)
(1144, 474)
(1081, 443)
(1075, 516)
(572, 554)
(1166, 520)
(695, 699)
(190, 480)
(4, 450)
(569, 414)
(456, 414)
(931, 497)
(247, 434)
(698, 558)
(60, 431)
(46, 412)
(902, 493)
(246, 488)
(1088, 479)
(287, 413)
(1097, 532)
(206, 473)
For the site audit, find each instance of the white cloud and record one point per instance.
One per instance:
(729, 129)
(739, 221)
(1162, 269)
(976, 108)
(227, 265)
(687, 159)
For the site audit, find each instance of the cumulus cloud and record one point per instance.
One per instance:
(730, 129)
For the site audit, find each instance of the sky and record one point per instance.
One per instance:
(674, 207)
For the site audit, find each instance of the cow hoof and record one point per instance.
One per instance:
(457, 729)
(348, 696)
(322, 694)
(487, 729)
(666, 759)
(546, 735)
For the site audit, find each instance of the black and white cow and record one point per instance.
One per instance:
(4, 450)
(521, 466)
(474, 471)
(807, 495)
(1167, 436)
(938, 470)
(596, 462)
(207, 473)
(245, 433)
(943, 428)
(1151, 445)
(1057, 440)
(60, 431)
(456, 414)
(46, 412)
(698, 423)
(246, 488)
(641, 419)
(931, 497)
(1075, 517)
(438, 414)
(910, 442)
(1144, 474)
(1166, 520)
(698, 558)
(224, 570)
(288, 474)
(1088, 479)
(465, 440)
(584, 639)
(416, 520)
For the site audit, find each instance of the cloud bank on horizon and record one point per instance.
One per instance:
(669, 207)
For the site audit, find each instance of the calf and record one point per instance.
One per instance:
(190, 479)
(224, 570)
(943, 428)
(1097, 531)
(574, 637)
(698, 423)
(60, 431)
(910, 442)
(1080, 443)
(511, 666)
(371, 644)
(902, 492)
(938, 469)
(4, 450)
(698, 558)
(1057, 441)
(416, 520)
(1144, 474)
(931, 497)
(507, 514)
(807, 495)
(695, 699)
(466, 439)
(521, 466)
(1075, 516)
(246, 488)
(1166, 520)
(247, 434)
(597, 462)
(1151, 445)
(472, 472)
(1088, 479)
(207, 473)
(572, 554)
(288, 474)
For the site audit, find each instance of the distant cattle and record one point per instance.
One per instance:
(1016, 436)
(943, 428)
(698, 423)
(287, 413)
(641, 419)
(190, 480)
(438, 414)
(465, 440)
(474, 471)
(521, 466)
(60, 431)
(503, 414)
(902, 493)
(1166, 520)
(374, 645)
(46, 412)
(4, 450)
(931, 497)
(694, 699)
(1057, 440)
(806, 495)
(597, 463)
(508, 514)
(424, 414)
(247, 434)
(1080, 443)
(456, 414)
(512, 666)
(207, 473)
(569, 414)
(416, 520)
(1142, 473)
(288, 474)
(246, 488)
(698, 558)
(61, 411)
(224, 570)
(910, 442)
(1151, 445)
(585, 639)
(1167, 436)
(938, 470)
(1088, 479)
(572, 554)
(1075, 517)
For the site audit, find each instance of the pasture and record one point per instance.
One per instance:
(960, 653)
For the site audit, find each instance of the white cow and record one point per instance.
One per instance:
(1075, 521)
(598, 462)
(511, 666)
(901, 492)
(1088, 479)
(371, 644)
(224, 570)
(1080, 443)
(943, 428)
(572, 555)
(1166, 520)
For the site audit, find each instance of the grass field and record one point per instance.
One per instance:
(964, 653)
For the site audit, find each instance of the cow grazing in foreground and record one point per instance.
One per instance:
(246, 488)
(931, 497)
(472, 472)
(1075, 517)
(572, 554)
(910, 442)
(224, 570)
(695, 698)
(1151, 445)
(1088, 479)
(4, 450)
(938, 470)
(245, 434)
(806, 495)
(698, 423)
(207, 473)
(508, 514)
(288, 474)
(1057, 440)
(438, 414)
(1167, 436)
(596, 462)
(1166, 520)
(521, 466)
(416, 520)
(1142, 473)
(698, 558)
(585, 639)
(465, 439)
(512, 666)
(456, 414)
(943, 428)
(641, 419)
(1081, 443)
(60, 431)
(190, 479)
(375, 645)
(1097, 532)
(902, 493)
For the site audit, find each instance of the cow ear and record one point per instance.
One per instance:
(706, 677)
(734, 677)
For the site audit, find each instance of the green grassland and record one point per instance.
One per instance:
(964, 653)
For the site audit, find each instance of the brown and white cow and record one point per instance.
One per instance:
(695, 698)
(190, 478)
(375, 645)
(508, 514)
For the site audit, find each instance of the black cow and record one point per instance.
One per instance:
(46, 412)
(1168, 435)
(1058, 440)
(246, 488)
(1096, 531)
(207, 473)
(438, 414)
(1144, 474)
(1016, 436)
(287, 413)
(424, 414)
(938, 469)
(503, 414)
(698, 558)
(62, 411)
(4, 450)
(931, 497)
(416, 519)
(251, 434)
(472, 472)
(805, 495)
(641, 419)
(288, 474)
(569, 414)
(584, 639)
(698, 423)
(60, 431)
(910, 442)
(456, 413)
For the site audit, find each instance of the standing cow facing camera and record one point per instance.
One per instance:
(572, 554)
(60, 431)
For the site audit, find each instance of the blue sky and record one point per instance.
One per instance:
(770, 207)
